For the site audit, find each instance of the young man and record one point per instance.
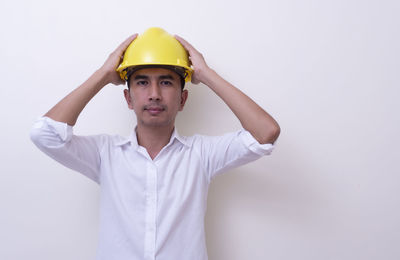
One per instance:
(154, 183)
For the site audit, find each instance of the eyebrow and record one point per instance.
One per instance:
(141, 77)
(137, 77)
(166, 77)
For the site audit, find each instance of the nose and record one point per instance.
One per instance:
(155, 92)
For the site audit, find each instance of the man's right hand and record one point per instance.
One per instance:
(114, 59)
(69, 108)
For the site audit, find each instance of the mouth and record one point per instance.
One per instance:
(154, 110)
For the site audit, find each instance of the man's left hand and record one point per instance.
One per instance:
(200, 66)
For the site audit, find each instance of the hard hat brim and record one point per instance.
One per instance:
(181, 71)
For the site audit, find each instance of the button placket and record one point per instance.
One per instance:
(151, 207)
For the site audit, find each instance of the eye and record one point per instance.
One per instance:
(141, 83)
(166, 83)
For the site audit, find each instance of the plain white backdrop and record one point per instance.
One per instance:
(328, 71)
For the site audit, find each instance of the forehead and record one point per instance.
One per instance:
(155, 73)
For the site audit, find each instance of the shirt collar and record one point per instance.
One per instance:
(132, 139)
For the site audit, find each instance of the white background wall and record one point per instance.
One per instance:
(328, 71)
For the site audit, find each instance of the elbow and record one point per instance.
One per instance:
(36, 136)
(45, 136)
(270, 135)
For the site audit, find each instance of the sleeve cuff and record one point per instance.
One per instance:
(63, 130)
(250, 142)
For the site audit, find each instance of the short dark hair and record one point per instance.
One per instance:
(178, 70)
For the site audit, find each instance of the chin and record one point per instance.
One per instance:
(155, 123)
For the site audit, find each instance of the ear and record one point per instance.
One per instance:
(184, 96)
(128, 98)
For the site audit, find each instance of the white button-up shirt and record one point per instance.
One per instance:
(149, 209)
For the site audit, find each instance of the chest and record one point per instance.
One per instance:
(175, 176)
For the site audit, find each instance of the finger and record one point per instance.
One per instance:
(185, 43)
(126, 43)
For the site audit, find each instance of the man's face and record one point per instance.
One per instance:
(156, 97)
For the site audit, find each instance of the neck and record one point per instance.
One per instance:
(153, 138)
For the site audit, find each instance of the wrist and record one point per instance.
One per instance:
(207, 76)
(103, 76)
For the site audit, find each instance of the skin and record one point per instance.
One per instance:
(253, 118)
(69, 108)
(151, 93)
(156, 96)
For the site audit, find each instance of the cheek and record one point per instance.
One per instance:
(176, 101)
(135, 98)
(135, 103)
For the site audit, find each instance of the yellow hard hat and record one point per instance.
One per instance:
(155, 47)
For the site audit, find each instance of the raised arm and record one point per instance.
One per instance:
(69, 108)
(253, 118)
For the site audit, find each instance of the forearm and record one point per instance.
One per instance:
(69, 108)
(252, 117)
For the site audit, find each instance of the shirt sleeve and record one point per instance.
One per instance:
(79, 153)
(221, 153)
